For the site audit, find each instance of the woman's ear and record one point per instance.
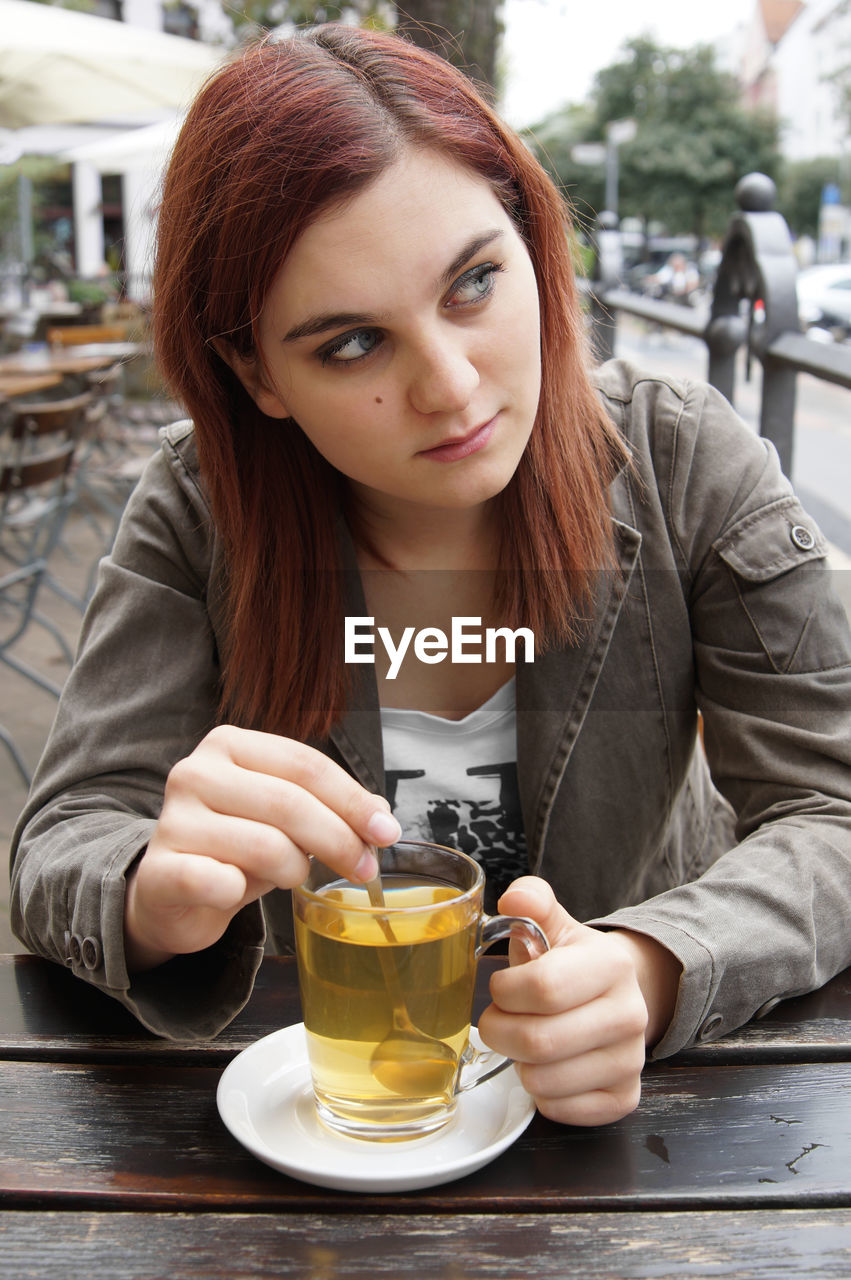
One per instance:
(253, 378)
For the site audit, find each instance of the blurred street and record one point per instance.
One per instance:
(822, 458)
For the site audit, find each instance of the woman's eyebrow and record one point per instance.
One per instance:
(470, 249)
(329, 320)
(352, 319)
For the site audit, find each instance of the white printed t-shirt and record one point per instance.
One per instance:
(455, 782)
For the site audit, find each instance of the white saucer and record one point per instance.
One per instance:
(265, 1099)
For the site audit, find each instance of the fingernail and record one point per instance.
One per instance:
(367, 868)
(383, 828)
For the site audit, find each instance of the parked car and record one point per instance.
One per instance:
(824, 300)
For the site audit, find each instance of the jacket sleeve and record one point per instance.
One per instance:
(770, 918)
(142, 693)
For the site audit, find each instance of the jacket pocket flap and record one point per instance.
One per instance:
(771, 541)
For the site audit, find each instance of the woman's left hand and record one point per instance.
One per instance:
(577, 1019)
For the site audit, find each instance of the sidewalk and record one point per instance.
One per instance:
(27, 712)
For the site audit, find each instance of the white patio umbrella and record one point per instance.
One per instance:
(145, 148)
(59, 66)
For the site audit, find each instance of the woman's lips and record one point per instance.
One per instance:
(454, 450)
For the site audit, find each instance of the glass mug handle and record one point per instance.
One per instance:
(478, 1065)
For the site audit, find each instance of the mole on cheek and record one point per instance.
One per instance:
(378, 400)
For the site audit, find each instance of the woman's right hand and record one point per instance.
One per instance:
(240, 816)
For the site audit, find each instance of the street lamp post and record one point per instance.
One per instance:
(617, 132)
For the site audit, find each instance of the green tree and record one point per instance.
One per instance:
(41, 172)
(466, 32)
(555, 141)
(693, 138)
(799, 191)
(251, 17)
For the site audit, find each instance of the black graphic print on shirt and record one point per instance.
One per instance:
(485, 822)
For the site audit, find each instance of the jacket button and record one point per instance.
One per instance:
(768, 1006)
(802, 537)
(710, 1027)
(75, 952)
(90, 951)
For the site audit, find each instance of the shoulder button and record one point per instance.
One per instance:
(802, 537)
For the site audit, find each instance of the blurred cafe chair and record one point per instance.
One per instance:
(12, 747)
(35, 497)
(32, 420)
(115, 452)
(33, 425)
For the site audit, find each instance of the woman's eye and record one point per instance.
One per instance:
(475, 285)
(351, 346)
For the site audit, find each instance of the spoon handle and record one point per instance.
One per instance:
(375, 889)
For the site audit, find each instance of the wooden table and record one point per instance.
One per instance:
(24, 384)
(70, 360)
(114, 1162)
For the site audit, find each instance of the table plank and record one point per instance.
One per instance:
(46, 1012)
(120, 1136)
(757, 1245)
(21, 384)
(82, 359)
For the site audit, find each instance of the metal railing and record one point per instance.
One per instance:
(754, 306)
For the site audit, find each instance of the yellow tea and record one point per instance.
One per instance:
(357, 966)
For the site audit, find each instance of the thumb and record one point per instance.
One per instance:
(530, 896)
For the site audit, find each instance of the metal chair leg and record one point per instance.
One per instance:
(9, 743)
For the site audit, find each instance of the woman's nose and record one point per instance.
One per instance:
(443, 377)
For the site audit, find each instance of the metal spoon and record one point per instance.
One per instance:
(407, 1061)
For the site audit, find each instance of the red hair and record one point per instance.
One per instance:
(275, 137)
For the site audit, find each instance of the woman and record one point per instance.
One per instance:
(364, 297)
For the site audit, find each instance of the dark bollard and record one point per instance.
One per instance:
(755, 301)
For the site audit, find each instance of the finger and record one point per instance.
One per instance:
(260, 852)
(533, 897)
(599, 1024)
(169, 882)
(597, 1107)
(614, 1067)
(259, 848)
(561, 979)
(296, 762)
(297, 788)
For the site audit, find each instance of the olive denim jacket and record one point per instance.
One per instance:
(736, 854)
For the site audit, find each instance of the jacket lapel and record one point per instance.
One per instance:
(358, 736)
(554, 693)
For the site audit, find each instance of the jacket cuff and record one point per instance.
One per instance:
(191, 997)
(695, 1019)
(194, 997)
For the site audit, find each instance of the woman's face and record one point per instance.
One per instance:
(402, 334)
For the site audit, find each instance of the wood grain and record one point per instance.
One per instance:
(46, 1012)
(121, 1136)
(604, 1246)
